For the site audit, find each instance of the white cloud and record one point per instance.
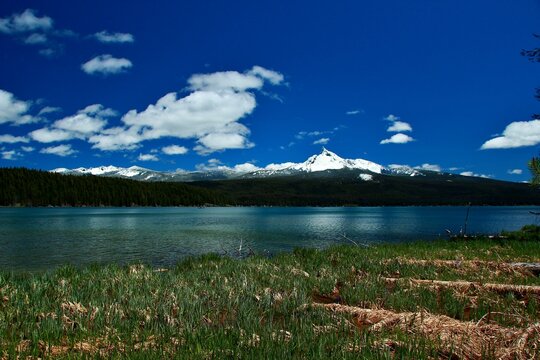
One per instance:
(429, 167)
(106, 64)
(392, 118)
(273, 77)
(220, 141)
(84, 124)
(217, 165)
(516, 134)
(245, 168)
(10, 139)
(470, 173)
(354, 112)
(10, 155)
(210, 114)
(107, 37)
(48, 135)
(27, 148)
(174, 150)
(47, 52)
(399, 126)
(60, 150)
(14, 111)
(36, 38)
(397, 139)
(321, 141)
(147, 157)
(25, 22)
(515, 172)
(49, 109)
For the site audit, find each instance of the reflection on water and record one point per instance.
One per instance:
(36, 239)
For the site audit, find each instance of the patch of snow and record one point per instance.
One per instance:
(366, 177)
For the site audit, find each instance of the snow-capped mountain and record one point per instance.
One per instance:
(326, 161)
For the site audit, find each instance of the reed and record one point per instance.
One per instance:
(258, 307)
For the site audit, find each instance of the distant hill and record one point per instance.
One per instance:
(346, 187)
(324, 179)
(25, 187)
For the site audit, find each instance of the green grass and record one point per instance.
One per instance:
(218, 307)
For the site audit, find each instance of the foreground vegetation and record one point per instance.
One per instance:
(342, 302)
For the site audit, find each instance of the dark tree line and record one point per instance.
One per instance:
(25, 187)
(534, 164)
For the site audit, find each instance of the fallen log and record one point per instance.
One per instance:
(466, 339)
(469, 285)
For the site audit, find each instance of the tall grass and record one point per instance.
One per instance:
(219, 307)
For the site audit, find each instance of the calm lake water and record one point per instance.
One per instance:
(45, 238)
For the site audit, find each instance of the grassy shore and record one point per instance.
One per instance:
(342, 302)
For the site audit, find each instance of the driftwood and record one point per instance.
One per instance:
(464, 339)
(524, 267)
(469, 285)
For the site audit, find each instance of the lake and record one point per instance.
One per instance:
(33, 239)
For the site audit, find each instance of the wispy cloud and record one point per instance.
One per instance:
(515, 171)
(321, 141)
(470, 173)
(60, 150)
(11, 155)
(108, 37)
(49, 110)
(10, 139)
(106, 65)
(354, 112)
(429, 167)
(147, 157)
(516, 134)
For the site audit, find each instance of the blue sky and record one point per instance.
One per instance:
(170, 84)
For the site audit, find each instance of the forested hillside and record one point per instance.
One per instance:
(25, 187)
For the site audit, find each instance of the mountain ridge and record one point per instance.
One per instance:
(324, 161)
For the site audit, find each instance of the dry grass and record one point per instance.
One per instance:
(467, 340)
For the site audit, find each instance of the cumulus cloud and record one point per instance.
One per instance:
(27, 21)
(210, 114)
(108, 37)
(174, 150)
(399, 126)
(147, 157)
(13, 111)
(397, 139)
(10, 139)
(27, 148)
(82, 125)
(60, 150)
(515, 171)
(106, 65)
(321, 141)
(516, 134)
